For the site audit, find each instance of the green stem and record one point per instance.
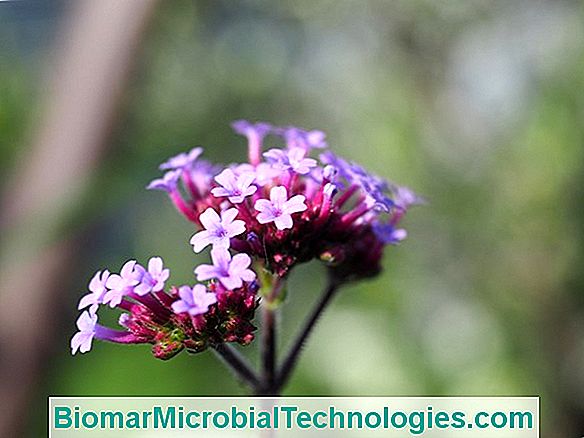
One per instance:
(269, 339)
(237, 363)
(292, 358)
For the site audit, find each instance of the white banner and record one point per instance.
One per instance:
(428, 417)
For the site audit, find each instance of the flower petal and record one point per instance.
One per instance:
(205, 272)
(284, 222)
(200, 240)
(295, 204)
(227, 216)
(278, 195)
(210, 219)
(155, 265)
(262, 205)
(239, 262)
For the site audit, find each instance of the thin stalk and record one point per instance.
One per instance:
(268, 345)
(237, 364)
(292, 358)
(268, 350)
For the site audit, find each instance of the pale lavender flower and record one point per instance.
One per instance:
(300, 138)
(81, 341)
(124, 320)
(342, 166)
(264, 173)
(183, 160)
(154, 278)
(218, 230)
(292, 159)
(124, 283)
(255, 133)
(231, 272)
(388, 234)
(195, 300)
(168, 182)
(405, 197)
(235, 187)
(279, 208)
(375, 188)
(97, 291)
(201, 174)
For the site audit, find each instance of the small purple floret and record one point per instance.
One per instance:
(97, 290)
(293, 159)
(182, 161)
(231, 272)
(194, 301)
(218, 229)
(279, 208)
(81, 341)
(168, 182)
(235, 187)
(123, 284)
(300, 138)
(154, 278)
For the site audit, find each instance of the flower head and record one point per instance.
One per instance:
(97, 290)
(279, 208)
(81, 341)
(218, 229)
(181, 161)
(235, 187)
(293, 159)
(348, 217)
(194, 301)
(231, 272)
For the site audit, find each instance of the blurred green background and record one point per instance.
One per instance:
(478, 106)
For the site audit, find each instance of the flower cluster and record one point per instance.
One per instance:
(191, 317)
(281, 208)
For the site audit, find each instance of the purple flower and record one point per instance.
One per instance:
(235, 187)
(300, 138)
(81, 341)
(124, 283)
(154, 278)
(97, 291)
(168, 182)
(291, 159)
(405, 197)
(264, 173)
(343, 167)
(124, 320)
(279, 208)
(388, 234)
(255, 133)
(231, 272)
(195, 300)
(182, 161)
(374, 187)
(201, 174)
(248, 129)
(218, 230)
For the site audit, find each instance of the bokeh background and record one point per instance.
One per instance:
(477, 105)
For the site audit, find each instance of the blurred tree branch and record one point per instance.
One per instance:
(91, 65)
